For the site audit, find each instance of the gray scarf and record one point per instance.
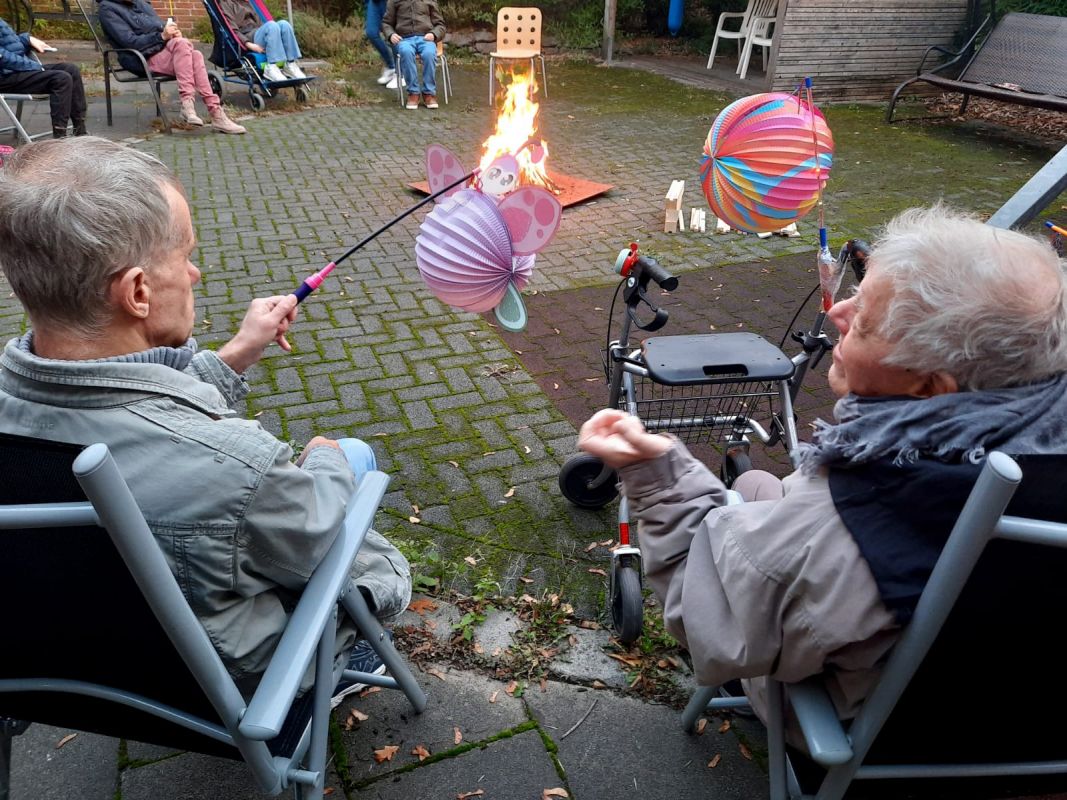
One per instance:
(951, 428)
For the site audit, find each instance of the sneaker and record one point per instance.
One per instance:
(413, 102)
(189, 115)
(388, 76)
(292, 69)
(79, 127)
(430, 101)
(361, 659)
(391, 85)
(223, 124)
(272, 73)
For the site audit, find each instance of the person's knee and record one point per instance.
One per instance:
(271, 27)
(180, 44)
(360, 455)
(60, 81)
(285, 25)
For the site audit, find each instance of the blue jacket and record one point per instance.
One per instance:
(132, 24)
(14, 50)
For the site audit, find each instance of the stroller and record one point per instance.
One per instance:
(238, 64)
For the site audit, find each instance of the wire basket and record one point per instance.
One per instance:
(708, 412)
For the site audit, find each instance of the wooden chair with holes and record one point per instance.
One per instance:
(518, 37)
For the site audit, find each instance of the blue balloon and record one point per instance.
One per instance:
(674, 17)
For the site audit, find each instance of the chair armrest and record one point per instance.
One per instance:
(725, 15)
(140, 57)
(827, 741)
(270, 704)
(966, 49)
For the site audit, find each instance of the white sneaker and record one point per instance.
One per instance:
(392, 82)
(387, 76)
(272, 73)
(292, 69)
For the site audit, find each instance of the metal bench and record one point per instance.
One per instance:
(1022, 60)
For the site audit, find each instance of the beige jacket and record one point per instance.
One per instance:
(773, 588)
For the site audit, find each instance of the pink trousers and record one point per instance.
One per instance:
(180, 59)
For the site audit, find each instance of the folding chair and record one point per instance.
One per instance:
(113, 68)
(440, 64)
(985, 620)
(105, 641)
(760, 34)
(21, 21)
(518, 36)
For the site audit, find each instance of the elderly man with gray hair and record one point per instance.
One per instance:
(954, 345)
(96, 240)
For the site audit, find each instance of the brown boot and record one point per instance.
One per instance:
(189, 115)
(430, 101)
(413, 102)
(223, 124)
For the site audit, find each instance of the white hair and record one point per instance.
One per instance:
(986, 305)
(74, 213)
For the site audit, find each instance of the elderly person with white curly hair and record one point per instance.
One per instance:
(954, 345)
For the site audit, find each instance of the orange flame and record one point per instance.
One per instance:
(515, 126)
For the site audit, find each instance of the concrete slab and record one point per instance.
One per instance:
(586, 661)
(496, 632)
(192, 776)
(461, 700)
(509, 769)
(626, 748)
(85, 767)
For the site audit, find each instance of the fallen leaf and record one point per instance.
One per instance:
(422, 605)
(526, 598)
(607, 543)
(421, 752)
(510, 492)
(454, 464)
(370, 690)
(715, 761)
(471, 560)
(591, 380)
(414, 520)
(544, 686)
(436, 673)
(354, 716)
(511, 687)
(527, 449)
(725, 726)
(701, 725)
(65, 739)
(556, 330)
(493, 696)
(415, 508)
(572, 640)
(599, 685)
(591, 546)
(588, 624)
(597, 571)
(457, 735)
(745, 752)
(555, 385)
(526, 580)
(557, 792)
(630, 661)
(489, 453)
(327, 791)
(386, 753)
(465, 795)
(257, 413)
(478, 648)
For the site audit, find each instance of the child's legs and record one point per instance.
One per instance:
(292, 49)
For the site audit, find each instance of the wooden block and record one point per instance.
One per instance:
(672, 213)
(721, 227)
(789, 230)
(681, 220)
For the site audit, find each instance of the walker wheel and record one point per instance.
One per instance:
(259, 102)
(734, 462)
(627, 604)
(216, 83)
(302, 93)
(575, 477)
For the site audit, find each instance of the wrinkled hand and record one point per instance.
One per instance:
(255, 48)
(266, 321)
(171, 31)
(395, 38)
(318, 441)
(619, 439)
(429, 37)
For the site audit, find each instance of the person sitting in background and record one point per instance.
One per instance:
(275, 39)
(372, 27)
(95, 241)
(414, 27)
(62, 82)
(955, 344)
(133, 24)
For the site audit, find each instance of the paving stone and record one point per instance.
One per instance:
(85, 767)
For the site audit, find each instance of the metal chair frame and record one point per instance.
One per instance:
(441, 63)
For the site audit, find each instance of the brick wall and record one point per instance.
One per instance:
(185, 12)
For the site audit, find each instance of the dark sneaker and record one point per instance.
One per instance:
(413, 102)
(734, 689)
(430, 101)
(361, 659)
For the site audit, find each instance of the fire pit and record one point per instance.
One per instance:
(515, 126)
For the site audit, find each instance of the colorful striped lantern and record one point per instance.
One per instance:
(759, 170)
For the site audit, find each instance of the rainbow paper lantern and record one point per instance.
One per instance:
(759, 171)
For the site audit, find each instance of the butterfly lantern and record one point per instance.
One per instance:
(475, 250)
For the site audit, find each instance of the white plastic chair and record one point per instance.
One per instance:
(756, 8)
(760, 33)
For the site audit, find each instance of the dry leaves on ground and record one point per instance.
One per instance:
(745, 752)
(701, 725)
(511, 687)
(493, 696)
(354, 716)
(457, 735)
(421, 752)
(557, 792)
(725, 726)
(436, 673)
(65, 739)
(465, 795)
(422, 605)
(715, 761)
(386, 753)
